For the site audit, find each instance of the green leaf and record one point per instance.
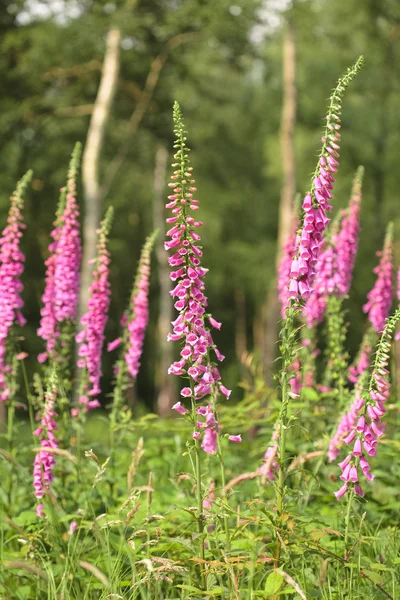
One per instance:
(273, 583)
(375, 577)
(380, 567)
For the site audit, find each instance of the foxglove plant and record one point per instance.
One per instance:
(60, 296)
(134, 322)
(336, 262)
(316, 203)
(192, 326)
(309, 239)
(91, 337)
(139, 313)
(368, 429)
(68, 251)
(11, 268)
(44, 462)
(380, 297)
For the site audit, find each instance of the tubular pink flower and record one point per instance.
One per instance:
(48, 329)
(179, 408)
(139, 310)
(45, 461)
(192, 326)
(65, 288)
(11, 268)
(366, 425)
(337, 257)
(316, 203)
(380, 297)
(91, 337)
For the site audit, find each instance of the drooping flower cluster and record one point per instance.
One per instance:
(48, 329)
(188, 274)
(270, 466)
(316, 204)
(68, 252)
(348, 420)
(381, 295)
(139, 310)
(60, 296)
(371, 408)
(45, 461)
(337, 258)
(285, 264)
(11, 268)
(91, 337)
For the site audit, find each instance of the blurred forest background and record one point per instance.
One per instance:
(223, 61)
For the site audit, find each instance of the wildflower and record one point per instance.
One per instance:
(367, 429)
(138, 314)
(91, 337)
(235, 438)
(316, 203)
(380, 297)
(179, 408)
(192, 324)
(60, 296)
(337, 257)
(68, 252)
(44, 461)
(73, 526)
(11, 268)
(114, 344)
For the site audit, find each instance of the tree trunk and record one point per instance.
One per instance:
(164, 383)
(91, 158)
(288, 120)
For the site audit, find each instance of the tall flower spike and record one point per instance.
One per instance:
(68, 250)
(397, 335)
(55, 282)
(367, 429)
(138, 315)
(381, 295)
(337, 258)
(192, 325)
(45, 461)
(11, 268)
(91, 337)
(316, 203)
(48, 329)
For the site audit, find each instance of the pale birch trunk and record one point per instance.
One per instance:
(91, 158)
(286, 207)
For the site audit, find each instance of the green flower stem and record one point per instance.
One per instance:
(347, 524)
(199, 492)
